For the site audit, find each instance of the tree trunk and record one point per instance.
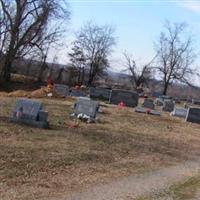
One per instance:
(6, 71)
(165, 88)
(83, 76)
(90, 75)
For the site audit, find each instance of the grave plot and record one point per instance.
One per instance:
(100, 93)
(31, 113)
(61, 89)
(130, 99)
(193, 115)
(87, 109)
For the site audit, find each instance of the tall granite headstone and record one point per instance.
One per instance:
(129, 98)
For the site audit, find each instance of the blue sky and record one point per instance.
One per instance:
(137, 23)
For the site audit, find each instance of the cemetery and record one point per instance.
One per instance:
(119, 133)
(96, 111)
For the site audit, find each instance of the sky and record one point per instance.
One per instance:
(138, 23)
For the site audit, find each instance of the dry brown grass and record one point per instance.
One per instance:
(38, 93)
(37, 164)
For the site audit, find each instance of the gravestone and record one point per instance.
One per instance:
(100, 93)
(77, 93)
(148, 103)
(193, 115)
(87, 107)
(195, 101)
(30, 112)
(61, 89)
(129, 98)
(179, 112)
(160, 100)
(168, 106)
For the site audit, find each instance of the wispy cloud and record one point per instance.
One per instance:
(192, 5)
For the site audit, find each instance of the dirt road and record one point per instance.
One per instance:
(135, 186)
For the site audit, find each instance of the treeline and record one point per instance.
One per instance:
(29, 29)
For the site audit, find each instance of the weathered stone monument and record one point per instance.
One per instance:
(129, 98)
(30, 112)
(193, 115)
(168, 106)
(148, 103)
(100, 93)
(179, 112)
(61, 89)
(86, 107)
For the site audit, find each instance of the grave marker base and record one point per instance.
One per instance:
(37, 124)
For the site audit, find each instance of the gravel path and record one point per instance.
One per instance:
(135, 186)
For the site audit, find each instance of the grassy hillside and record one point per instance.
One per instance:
(71, 155)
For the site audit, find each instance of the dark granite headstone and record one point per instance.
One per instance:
(129, 98)
(30, 112)
(61, 89)
(168, 106)
(87, 107)
(100, 93)
(193, 115)
(148, 103)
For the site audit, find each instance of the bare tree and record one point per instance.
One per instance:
(175, 55)
(139, 76)
(95, 43)
(25, 27)
(78, 61)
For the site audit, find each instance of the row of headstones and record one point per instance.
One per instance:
(32, 113)
(129, 98)
(190, 114)
(90, 108)
(65, 91)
